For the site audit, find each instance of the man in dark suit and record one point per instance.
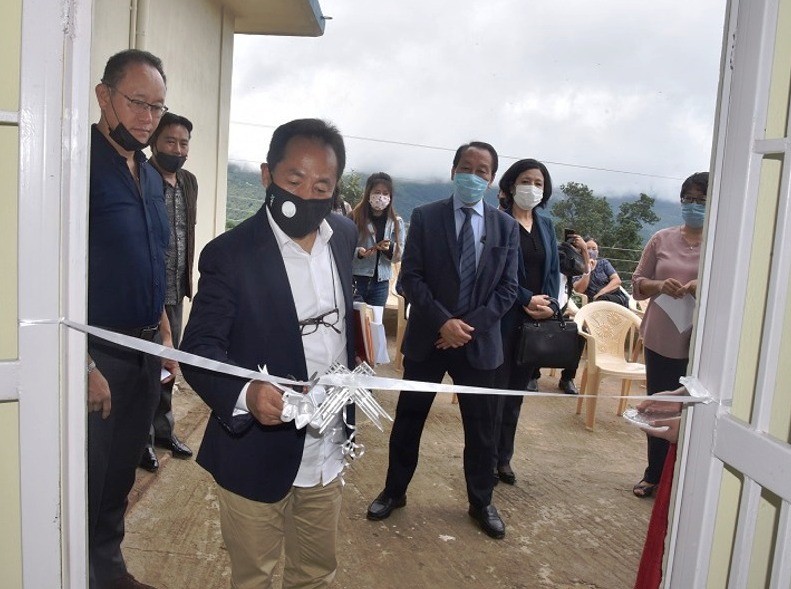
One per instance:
(276, 291)
(459, 274)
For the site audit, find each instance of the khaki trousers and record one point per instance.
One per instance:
(305, 520)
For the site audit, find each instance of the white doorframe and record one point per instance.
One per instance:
(53, 179)
(714, 437)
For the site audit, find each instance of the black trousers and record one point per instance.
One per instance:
(514, 377)
(661, 374)
(477, 415)
(114, 448)
(509, 375)
(163, 422)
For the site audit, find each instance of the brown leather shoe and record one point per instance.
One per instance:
(505, 474)
(127, 582)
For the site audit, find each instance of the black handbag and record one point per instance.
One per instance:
(548, 343)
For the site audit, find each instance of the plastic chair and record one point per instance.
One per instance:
(642, 306)
(607, 328)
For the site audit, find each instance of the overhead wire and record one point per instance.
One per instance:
(453, 149)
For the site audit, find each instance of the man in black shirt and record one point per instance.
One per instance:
(127, 241)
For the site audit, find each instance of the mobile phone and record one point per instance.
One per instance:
(567, 233)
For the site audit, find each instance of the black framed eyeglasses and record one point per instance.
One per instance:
(141, 106)
(698, 200)
(329, 319)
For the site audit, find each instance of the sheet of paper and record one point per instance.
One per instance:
(679, 310)
(378, 312)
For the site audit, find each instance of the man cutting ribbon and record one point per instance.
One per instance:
(276, 291)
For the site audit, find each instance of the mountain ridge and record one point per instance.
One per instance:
(246, 194)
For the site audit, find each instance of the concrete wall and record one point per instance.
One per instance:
(10, 519)
(10, 507)
(10, 47)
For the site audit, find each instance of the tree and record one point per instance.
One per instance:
(618, 235)
(582, 211)
(625, 234)
(351, 188)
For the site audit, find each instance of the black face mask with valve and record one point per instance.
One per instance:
(294, 215)
(169, 162)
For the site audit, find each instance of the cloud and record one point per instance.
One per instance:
(612, 84)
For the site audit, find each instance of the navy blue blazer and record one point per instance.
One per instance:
(244, 314)
(430, 279)
(550, 281)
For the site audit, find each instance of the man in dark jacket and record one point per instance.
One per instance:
(276, 291)
(170, 145)
(459, 274)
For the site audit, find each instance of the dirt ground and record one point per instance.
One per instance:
(571, 519)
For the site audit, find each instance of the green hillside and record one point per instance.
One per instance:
(246, 194)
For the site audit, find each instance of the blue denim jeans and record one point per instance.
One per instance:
(373, 293)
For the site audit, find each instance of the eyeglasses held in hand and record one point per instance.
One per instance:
(328, 319)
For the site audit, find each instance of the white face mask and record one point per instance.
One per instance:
(527, 196)
(379, 201)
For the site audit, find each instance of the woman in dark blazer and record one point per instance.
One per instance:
(526, 187)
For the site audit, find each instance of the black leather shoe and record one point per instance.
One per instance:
(383, 506)
(489, 520)
(568, 387)
(148, 461)
(532, 385)
(179, 448)
(505, 474)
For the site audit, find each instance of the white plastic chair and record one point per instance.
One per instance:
(607, 328)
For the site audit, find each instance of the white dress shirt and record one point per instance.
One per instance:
(316, 289)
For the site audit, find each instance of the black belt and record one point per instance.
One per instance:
(146, 333)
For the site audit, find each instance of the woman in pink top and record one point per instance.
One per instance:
(668, 266)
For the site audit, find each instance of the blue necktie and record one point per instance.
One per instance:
(466, 263)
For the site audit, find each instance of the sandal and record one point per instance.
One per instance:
(644, 489)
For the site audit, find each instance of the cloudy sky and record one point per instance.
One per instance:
(613, 84)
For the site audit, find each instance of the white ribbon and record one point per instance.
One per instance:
(351, 381)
